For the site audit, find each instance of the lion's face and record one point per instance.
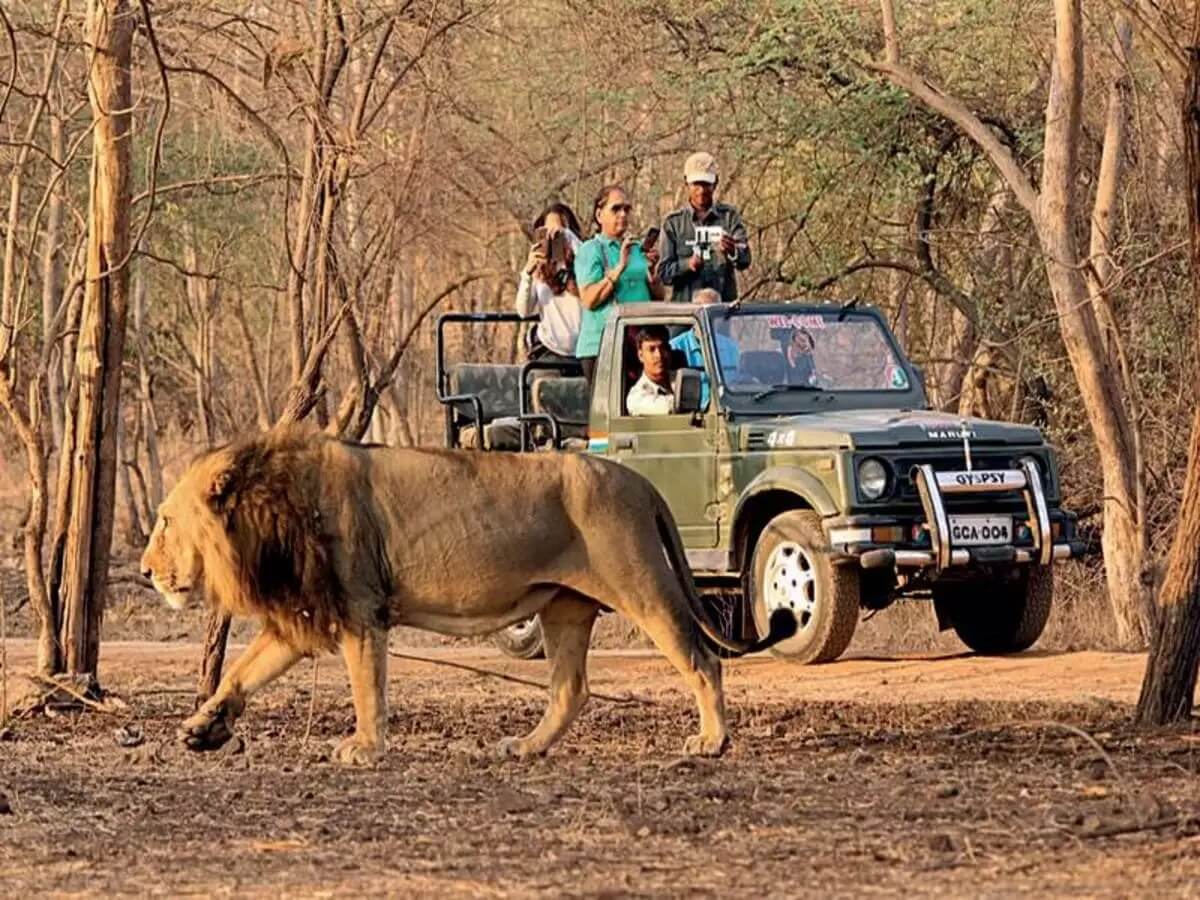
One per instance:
(172, 560)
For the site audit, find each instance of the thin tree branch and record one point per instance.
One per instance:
(15, 67)
(891, 42)
(961, 115)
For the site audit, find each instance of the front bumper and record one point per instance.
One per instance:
(1049, 536)
(892, 558)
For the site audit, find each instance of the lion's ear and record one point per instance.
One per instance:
(220, 487)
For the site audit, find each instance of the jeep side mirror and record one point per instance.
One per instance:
(686, 387)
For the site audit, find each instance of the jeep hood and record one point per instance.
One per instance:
(868, 428)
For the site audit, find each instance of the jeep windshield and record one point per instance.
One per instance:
(787, 356)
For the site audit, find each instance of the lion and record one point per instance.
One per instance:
(329, 544)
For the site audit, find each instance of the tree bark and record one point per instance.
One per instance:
(110, 27)
(1169, 687)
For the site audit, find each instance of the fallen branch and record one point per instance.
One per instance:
(54, 685)
(1135, 827)
(622, 700)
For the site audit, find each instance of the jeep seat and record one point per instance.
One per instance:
(497, 389)
(567, 399)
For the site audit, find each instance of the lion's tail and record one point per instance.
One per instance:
(783, 623)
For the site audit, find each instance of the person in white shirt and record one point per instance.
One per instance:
(547, 285)
(651, 394)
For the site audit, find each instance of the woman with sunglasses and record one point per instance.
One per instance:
(610, 268)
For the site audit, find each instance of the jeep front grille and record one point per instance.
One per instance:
(951, 460)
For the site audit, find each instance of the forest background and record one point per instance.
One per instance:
(346, 171)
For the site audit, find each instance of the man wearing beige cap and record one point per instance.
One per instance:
(704, 243)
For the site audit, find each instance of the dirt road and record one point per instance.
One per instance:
(951, 775)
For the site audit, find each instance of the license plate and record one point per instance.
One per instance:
(977, 531)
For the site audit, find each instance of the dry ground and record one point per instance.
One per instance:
(951, 775)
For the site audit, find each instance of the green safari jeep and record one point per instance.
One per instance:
(803, 467)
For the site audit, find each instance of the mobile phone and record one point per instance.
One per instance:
(542, 236)
(650, 241)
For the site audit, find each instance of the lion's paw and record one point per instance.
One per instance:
(208, 729)
(515, 748)
(355, 752)
(705, 745)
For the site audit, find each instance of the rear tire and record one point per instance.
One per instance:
(791, 569)
(522, 640)
(998, 617)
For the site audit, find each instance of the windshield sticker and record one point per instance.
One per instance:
(796, 320)
(897, 378)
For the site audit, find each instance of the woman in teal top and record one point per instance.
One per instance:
(610, 268)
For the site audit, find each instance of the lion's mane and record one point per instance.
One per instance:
(269, 553)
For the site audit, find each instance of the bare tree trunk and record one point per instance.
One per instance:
(53, 280)
(135, 532)
(1124, 537)
(201, 293)
(298, 255)
(110, 27)
(262, 403)
(1054, 213)
(27, 416)
(29, 429)
(148, 420)
(1169, 687)
(1108, 182)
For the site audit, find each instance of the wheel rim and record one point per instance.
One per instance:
(790, 582)
(521, 631)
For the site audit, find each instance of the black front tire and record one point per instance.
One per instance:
(522, 640)
(792, 569)
(1000, 616)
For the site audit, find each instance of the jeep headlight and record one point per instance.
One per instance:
(872, 478)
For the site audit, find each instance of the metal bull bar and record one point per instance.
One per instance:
(933, 486)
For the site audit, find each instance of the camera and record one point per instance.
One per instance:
(707, 238)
